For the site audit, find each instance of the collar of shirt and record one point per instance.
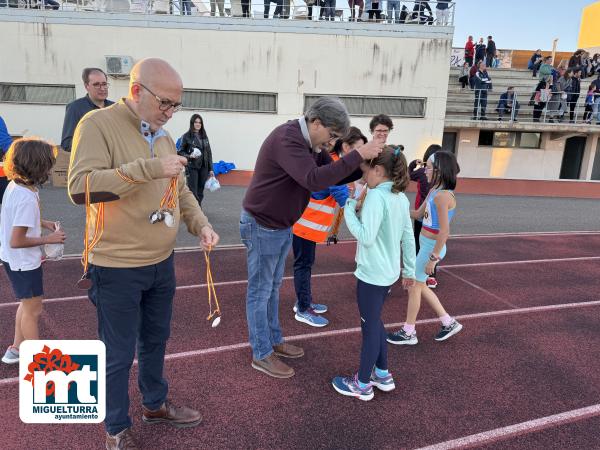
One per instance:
(149, 135)
(304, 129)
(92, 104)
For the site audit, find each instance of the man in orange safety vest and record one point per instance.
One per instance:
(319, 223)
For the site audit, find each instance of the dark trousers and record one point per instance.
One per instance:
(196, 179)
(489, 59)
(587, 115)
(304, 258)
(464, 80)
(278, 8)
(480, 102)
(537, 111)
(134, 308)
(375, 11)
(469, 60)
(245, 8)
(374, 347)
(572, 104)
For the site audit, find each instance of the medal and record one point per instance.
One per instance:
(212, 294)
(167, 206)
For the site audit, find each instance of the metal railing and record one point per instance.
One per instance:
(383, 11)
(557, 107)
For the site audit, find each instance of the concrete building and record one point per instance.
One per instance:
(589, 36)
(244, 76)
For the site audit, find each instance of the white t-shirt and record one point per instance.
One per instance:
(20, 208)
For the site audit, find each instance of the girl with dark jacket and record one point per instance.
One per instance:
(196, 148)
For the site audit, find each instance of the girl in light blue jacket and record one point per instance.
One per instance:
(384, 227)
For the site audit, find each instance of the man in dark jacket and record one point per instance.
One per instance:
(482, 83)
(96, 85)
(490, 52)
(573, 94)
(290, 164)
(480, 51)
(506, 104)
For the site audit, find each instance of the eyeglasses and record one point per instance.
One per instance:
(99, 85)
(163, 105)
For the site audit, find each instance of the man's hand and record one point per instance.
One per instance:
(58, 237)
(172, 165)
(50, 225)
(208, 238)
(370, 150)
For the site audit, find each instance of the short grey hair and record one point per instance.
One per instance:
(331, 112)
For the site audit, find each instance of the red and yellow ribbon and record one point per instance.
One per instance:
(212, 294)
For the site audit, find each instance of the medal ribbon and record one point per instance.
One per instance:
(212, 294)
(98, 227)
(170, 198)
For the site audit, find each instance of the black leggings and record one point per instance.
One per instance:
(196, 179)
(374, 347)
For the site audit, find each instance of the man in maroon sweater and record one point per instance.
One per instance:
(290, 165)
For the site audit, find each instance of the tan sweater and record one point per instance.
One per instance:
(111, 138)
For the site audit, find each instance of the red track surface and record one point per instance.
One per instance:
(521, 357)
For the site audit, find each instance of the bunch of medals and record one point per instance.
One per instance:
(167, 206)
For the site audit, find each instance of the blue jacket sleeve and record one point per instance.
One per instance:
(5, 139)
(340, 194)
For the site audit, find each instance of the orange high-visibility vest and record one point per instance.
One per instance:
(317, 220)
(2, 174)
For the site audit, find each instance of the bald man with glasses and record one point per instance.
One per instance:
(96, 85)
(126, 162)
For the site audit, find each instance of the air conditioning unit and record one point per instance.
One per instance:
(118, 65)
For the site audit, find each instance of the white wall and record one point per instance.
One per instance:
(515, 163)
(401, 60)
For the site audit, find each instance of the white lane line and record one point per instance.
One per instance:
(479, 288)
(518, 429)
(524, 261)
(181, 288)
(322, 334)
(336, 274)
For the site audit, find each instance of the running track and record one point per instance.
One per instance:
(523, 374)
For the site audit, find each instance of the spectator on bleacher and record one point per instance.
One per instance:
(96, 85)
(393, 11)
(546, 69)
(309, 8)
(482, 84)
(574, 93)
(564, 85)
(214, 4)
(595, 64)
(575, 59)
(374, 10)
(463, 76)
(469, 51)
(480, 51)
(490, 52)
(472, 72)
(506, 103)
(596, 85)
(422, 12)
(186, 7)
(442, 12)
(329, 7)
(245, 8)
(279, 4)
(535, 62)
(541, 97)
(589, 105)
(586, 64)
(282, 11)
(361, 6)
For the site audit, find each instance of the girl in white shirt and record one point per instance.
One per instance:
(27, 164)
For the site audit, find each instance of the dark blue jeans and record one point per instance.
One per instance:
(267, 250)
(304, 258)
(374, 347)
(134, 308)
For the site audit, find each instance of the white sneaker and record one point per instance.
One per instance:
(11, 356)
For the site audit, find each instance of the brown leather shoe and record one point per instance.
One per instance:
(272, 366)
(288, 350)
(121, 441)
(178, 417)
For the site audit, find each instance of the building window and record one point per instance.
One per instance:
(530, 140)
(371, 106)
(509, 139)
(260, 102)
(52, 94)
